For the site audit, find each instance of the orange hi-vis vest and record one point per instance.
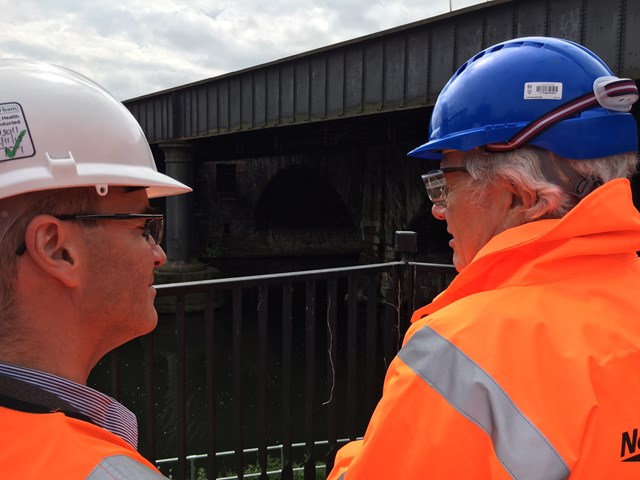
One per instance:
(527, 366)
(40, 444)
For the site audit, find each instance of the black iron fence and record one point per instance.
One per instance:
(266, 376)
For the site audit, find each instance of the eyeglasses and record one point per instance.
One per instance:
(436, 184)
(152, 230)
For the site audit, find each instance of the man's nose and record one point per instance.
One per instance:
(159, 256)
(438, 211)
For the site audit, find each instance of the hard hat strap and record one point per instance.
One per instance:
(568, 179)
(624, 88)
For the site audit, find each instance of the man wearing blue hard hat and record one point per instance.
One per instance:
(528, 365)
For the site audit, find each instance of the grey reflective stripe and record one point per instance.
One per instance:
(343, 476)
(121, 467)
(518, 444)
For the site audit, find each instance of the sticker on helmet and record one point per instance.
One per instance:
(15, 139)
(543, 91)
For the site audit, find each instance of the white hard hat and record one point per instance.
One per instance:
(58, 129)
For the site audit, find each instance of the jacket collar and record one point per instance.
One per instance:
(604, 227)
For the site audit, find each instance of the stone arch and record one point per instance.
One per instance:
(299, 197)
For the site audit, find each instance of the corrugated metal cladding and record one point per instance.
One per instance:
(397, 69)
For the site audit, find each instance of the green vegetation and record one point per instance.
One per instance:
(273, 465)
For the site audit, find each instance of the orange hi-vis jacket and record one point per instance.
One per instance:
(527, 366)
(36, 444)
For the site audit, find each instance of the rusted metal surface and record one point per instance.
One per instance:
(399, 69)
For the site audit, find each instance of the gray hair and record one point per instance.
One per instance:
(521, 172)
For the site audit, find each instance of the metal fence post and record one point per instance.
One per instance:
(406, 244)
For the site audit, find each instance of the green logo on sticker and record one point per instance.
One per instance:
(11, 152)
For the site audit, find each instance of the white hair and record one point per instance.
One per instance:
(521, 172)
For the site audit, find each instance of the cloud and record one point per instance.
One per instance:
(137, 47)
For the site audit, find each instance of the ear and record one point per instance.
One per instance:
(509, 204)
(53, 247)
(518, 205)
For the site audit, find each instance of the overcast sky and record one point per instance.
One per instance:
(137, 47)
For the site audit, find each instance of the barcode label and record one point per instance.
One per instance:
(543, 91)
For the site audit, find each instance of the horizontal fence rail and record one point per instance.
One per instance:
(238, 365)
(279, 449)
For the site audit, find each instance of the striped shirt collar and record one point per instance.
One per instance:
(103, 410)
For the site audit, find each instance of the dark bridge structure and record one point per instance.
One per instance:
(297, 164)
(305, 157)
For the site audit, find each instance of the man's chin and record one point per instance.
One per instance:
(458, 263)
(150, 323)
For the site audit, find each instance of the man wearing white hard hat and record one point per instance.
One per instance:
(78, 247)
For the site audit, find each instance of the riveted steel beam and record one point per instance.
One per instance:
(398, 69)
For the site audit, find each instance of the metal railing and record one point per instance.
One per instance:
(193, 459)
(263, 360)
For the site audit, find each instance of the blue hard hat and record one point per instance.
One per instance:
(547, 92)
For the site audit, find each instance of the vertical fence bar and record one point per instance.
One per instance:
(210, 372)
(392, 313)
(352, 345)
(412, 275)
(408, 296)
(262, 379)
(238, 387)
(287, 322)
(371, 395)
(310, 379)
(332, 338)
(443, 281)
(150, 397)
(181, 399)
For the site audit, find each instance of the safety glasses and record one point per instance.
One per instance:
(152, 230)
(436, 184)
